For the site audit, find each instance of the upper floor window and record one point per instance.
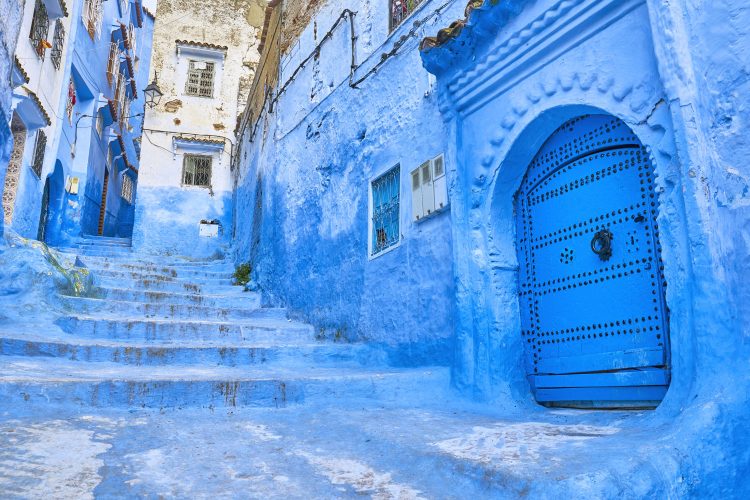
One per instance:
(99, 124)
(200, 79)
(112, 61)
(38, 162)
(71, 102)
(92, 17)
(57, 44)
(385, 202)
(196, 170)
(127, 189)
(39, 29)
(400, 10)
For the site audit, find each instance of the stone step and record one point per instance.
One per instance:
(85, 243)
(27, 382)
(146, 269)
(169, 330)
(238, 298)
(129, 279)
(98, 251)
(166, 310)
(208, 353)
(140, 260)
(162, 284)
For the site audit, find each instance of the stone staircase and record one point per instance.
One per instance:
(169, 332)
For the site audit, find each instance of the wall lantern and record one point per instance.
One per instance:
(152, 92)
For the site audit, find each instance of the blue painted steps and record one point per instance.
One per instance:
(168, 332)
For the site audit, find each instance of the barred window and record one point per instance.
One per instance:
(385, 210)
(112, 61)
(39, 29)
(71, 102)
(41, 145)
(100, 124)
(400, 10)
(200, 79)
(127, 189)
(92, 17)
(57, 44)
(196, 170)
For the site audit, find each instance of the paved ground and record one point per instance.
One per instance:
(323, 452)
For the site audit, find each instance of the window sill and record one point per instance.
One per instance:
(391, 248)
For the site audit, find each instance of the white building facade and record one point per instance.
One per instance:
(204, 61)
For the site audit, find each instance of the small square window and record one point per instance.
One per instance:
(200, 79)
(385, 207)
(196, 170)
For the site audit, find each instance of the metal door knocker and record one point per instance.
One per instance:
(601, 244)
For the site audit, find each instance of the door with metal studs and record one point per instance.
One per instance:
(593, 315)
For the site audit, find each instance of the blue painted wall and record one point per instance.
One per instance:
(10, 13)
(307, 237)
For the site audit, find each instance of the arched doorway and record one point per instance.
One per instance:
(591, 285)
(51, 213)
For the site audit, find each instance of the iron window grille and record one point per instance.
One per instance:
(41, 145)
(385, 210)
(71, 101)
(400, 10)
(57, 44)
(200, 80)
(100, 124)
(127, 189)
(131, 38)
(92, 17)
(114, 58)
(196, 170)
(39, 29)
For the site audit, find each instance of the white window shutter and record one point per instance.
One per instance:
(428, 192)
(416, 196)
(439, 183)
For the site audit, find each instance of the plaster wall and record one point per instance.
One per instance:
(168, 214)
(10, 14)
(517, 72)
(305, 229)
(49, 84)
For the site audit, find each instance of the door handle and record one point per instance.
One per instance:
(601, 244)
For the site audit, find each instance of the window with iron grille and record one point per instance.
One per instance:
(196, 170)
(385, 210)
(127, 189)
(57, 44)
(112, 61)
(100, 124)
(200, 79)
(71, 102)
(41, 145)
(401, 9)
(92, 17)
(39, 29)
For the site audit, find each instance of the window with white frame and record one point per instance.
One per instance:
(128, 189)
(196, 170)
(39, 29)
(429, 189)
(200, 79)
(92, 17)
(385, 203)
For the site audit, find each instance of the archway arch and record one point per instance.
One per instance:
(590, 279)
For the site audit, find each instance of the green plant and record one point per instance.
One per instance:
(242, 274)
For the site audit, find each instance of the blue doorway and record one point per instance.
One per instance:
(593, 315)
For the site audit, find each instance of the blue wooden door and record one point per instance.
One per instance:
(593, 316)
